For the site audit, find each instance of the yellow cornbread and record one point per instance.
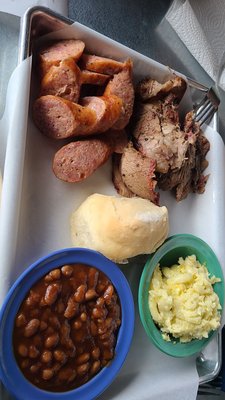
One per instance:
(182, 301)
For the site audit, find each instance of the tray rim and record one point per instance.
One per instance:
(24, 51)
(26, 27)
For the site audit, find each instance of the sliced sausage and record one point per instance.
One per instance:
(93, 78)
(58, 51)
(107, 109)
(63, 80)
(102, 65)
(122, 86)
(78, 160)
(59, 118)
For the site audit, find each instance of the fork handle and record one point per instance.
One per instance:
(197, 85)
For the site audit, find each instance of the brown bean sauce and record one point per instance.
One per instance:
(66, 328)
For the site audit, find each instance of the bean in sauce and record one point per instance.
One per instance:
(66, 328)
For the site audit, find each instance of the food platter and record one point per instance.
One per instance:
(46, 204)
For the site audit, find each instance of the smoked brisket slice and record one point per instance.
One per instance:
(118, 182)
(157, 134)
(161, 151)
(138, 173)
(149, 89)
(188, 178)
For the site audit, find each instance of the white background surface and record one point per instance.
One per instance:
(200, 25)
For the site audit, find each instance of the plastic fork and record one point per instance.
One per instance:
(209, 104)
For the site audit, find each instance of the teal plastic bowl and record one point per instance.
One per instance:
(176, 246)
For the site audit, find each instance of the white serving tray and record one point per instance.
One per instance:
(36, 209)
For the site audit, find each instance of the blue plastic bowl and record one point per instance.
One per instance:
(10, 373)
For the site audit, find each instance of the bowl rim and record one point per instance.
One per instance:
(10, 373)
(153, 332)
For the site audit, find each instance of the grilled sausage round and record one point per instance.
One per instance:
(107, 109)
(55, 52)
(63, 80)
(59, 118)
(102, 65)
(93, 78)
(76, 161)
(122, 86)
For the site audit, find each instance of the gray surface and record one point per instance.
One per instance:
(9, 33)
(140, 24)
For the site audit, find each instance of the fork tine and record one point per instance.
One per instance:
(201, 107)
(207, 107)
(200, 104)
(214, 98)
(201, 112)
(207, 115)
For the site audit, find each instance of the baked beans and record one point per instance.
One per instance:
(66, 328)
